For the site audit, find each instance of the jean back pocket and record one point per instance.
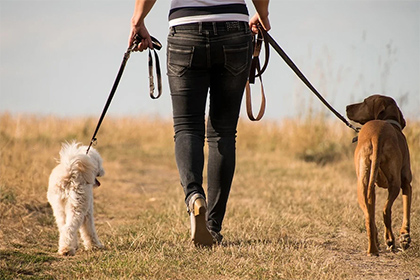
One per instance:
(237, 58)
(179, 59)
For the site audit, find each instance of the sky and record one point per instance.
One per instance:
(61, 57)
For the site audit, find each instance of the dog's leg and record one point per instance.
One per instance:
(88, 231)
(405, 229)
(388, 235)
(57, 206)
(75, 212)
(367, 204)
(369, 212)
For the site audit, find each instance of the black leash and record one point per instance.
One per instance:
(156, 46)
(268, 40)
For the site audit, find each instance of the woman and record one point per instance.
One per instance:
(209, 52)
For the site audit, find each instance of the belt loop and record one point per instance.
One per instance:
(214, 28)
(200, 28)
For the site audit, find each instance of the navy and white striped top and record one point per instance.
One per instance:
(191, 11)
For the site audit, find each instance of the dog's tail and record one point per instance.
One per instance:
(374, 170)
(78, 165)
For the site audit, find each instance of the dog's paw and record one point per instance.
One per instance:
(376, 254)
(99, 245)
(405, 241)
(373, 251)
(390, 245)
(66, 251)
(92, 246)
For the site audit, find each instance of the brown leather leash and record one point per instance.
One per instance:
(264, 37)
(256, 71)
(156, 46)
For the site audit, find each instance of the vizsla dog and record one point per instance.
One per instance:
(382, 159)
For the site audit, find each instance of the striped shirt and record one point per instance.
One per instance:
(191, 11)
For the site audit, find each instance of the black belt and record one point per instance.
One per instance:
(216, 26)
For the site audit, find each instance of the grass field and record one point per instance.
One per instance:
(292, 213)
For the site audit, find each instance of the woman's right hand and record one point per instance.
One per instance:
(257, 20)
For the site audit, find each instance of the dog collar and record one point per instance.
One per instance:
(395, 123)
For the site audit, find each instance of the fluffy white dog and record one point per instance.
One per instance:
(70, 193)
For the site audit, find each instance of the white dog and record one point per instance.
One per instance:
(70, 193)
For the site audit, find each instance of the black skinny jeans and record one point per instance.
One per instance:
(203, 56)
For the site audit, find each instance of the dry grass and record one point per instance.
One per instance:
(292, 213)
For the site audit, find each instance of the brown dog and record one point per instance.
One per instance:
(382, 159)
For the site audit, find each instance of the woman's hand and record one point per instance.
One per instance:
(257, 20)
(146, 41)
(141, 9)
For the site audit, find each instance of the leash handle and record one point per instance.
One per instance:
(158, 76)
(156, 46)
(256, 72)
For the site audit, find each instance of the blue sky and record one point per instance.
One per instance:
(61, 57)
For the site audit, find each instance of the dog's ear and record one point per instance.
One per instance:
(388, 110)
(97, 161)
(392, 112)
(401, 120)
(378, 108)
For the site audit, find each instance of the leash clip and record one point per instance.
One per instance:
(93, 142)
